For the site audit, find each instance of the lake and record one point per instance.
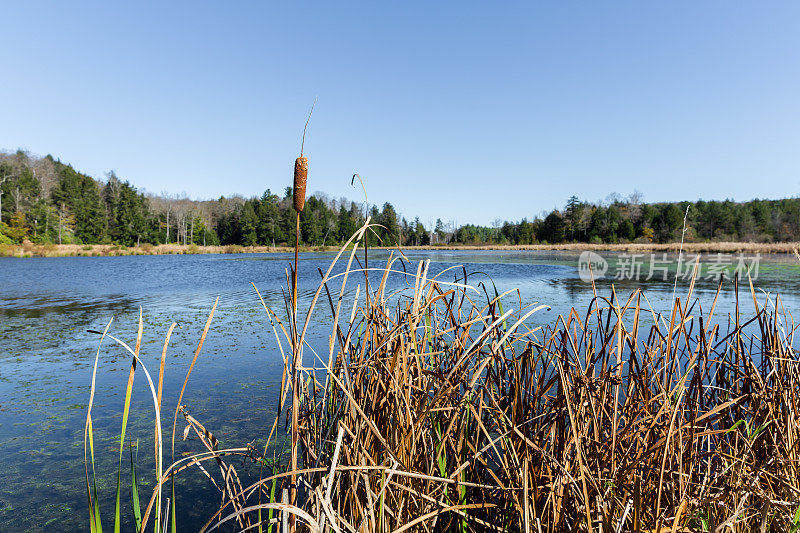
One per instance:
(46, 353)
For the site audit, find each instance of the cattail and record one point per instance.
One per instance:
(300, 177)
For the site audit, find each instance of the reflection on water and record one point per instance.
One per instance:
(46, 354)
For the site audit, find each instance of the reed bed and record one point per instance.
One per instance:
(106, 250)
(439, 407)
(96, 250)
(638, 247)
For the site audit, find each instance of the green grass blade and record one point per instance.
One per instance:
(135, 505)
(173, 519)
(272, 489)
(97, 526)
(125, 412)
(88, 447)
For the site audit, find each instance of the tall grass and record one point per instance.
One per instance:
(438, 407)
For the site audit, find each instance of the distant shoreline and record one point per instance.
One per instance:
(110, 250)
(691, 247)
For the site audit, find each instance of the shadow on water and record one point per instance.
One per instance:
(39, 307)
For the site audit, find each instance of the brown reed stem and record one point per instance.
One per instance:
(295, 374)
(294, 273)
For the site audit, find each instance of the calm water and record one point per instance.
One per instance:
(46, 356)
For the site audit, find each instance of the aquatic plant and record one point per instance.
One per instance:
(438, 406)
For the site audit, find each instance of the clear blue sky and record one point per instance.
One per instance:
(465, 111)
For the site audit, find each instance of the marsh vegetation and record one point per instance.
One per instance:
(437, 405)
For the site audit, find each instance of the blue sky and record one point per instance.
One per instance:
(464, 111)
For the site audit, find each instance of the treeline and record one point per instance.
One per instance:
(43, 200)
(620, 220)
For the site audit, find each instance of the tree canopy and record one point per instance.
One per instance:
(46, 201)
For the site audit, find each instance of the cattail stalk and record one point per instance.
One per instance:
(299, 190)
(299, 197)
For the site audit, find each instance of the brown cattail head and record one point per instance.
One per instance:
(300, 177)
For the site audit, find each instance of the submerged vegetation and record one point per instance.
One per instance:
(438, 406)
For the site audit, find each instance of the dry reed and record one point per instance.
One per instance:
(71, 250)
(436, 408)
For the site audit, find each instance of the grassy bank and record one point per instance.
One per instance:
(111, 250)
(106, 250)
(439, 407)
(690, 247)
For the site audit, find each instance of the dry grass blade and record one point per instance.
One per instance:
(453, 412)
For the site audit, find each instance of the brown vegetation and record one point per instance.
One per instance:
(440, 408)
(67, 250)
(71, 250)
(690, 247)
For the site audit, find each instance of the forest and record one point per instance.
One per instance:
(43, 200)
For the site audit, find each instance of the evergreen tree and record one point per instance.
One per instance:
(81, 195)
(391, 229)
(553, 229)
(345, 224)
(248, 224)
(310, 226)
(573, 212)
